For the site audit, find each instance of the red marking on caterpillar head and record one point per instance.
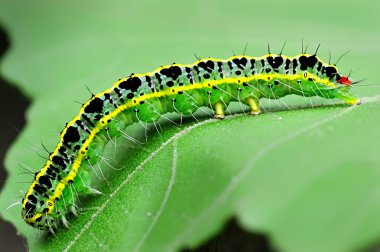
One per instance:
(345, 81)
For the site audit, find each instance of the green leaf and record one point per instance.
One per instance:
(306, 177)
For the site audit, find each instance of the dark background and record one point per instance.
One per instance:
(12, 110)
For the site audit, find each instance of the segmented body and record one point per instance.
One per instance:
(177, 88)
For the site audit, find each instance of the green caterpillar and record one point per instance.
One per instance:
(177, 88)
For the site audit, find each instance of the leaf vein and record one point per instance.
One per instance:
(164, 201)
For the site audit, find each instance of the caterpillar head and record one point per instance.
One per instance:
(344, 81)
(342, 91)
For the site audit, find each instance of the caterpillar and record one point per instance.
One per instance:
(183, 89)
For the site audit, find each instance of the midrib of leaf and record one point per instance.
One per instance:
(164, 201)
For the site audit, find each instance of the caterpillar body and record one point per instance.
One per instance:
(209, 82)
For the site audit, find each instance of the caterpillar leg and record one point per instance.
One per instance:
(352, 101)
(219, 110)
(254, 105)
(343, 93)
(347, 98)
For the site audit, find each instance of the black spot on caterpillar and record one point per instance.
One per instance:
(175, 88)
